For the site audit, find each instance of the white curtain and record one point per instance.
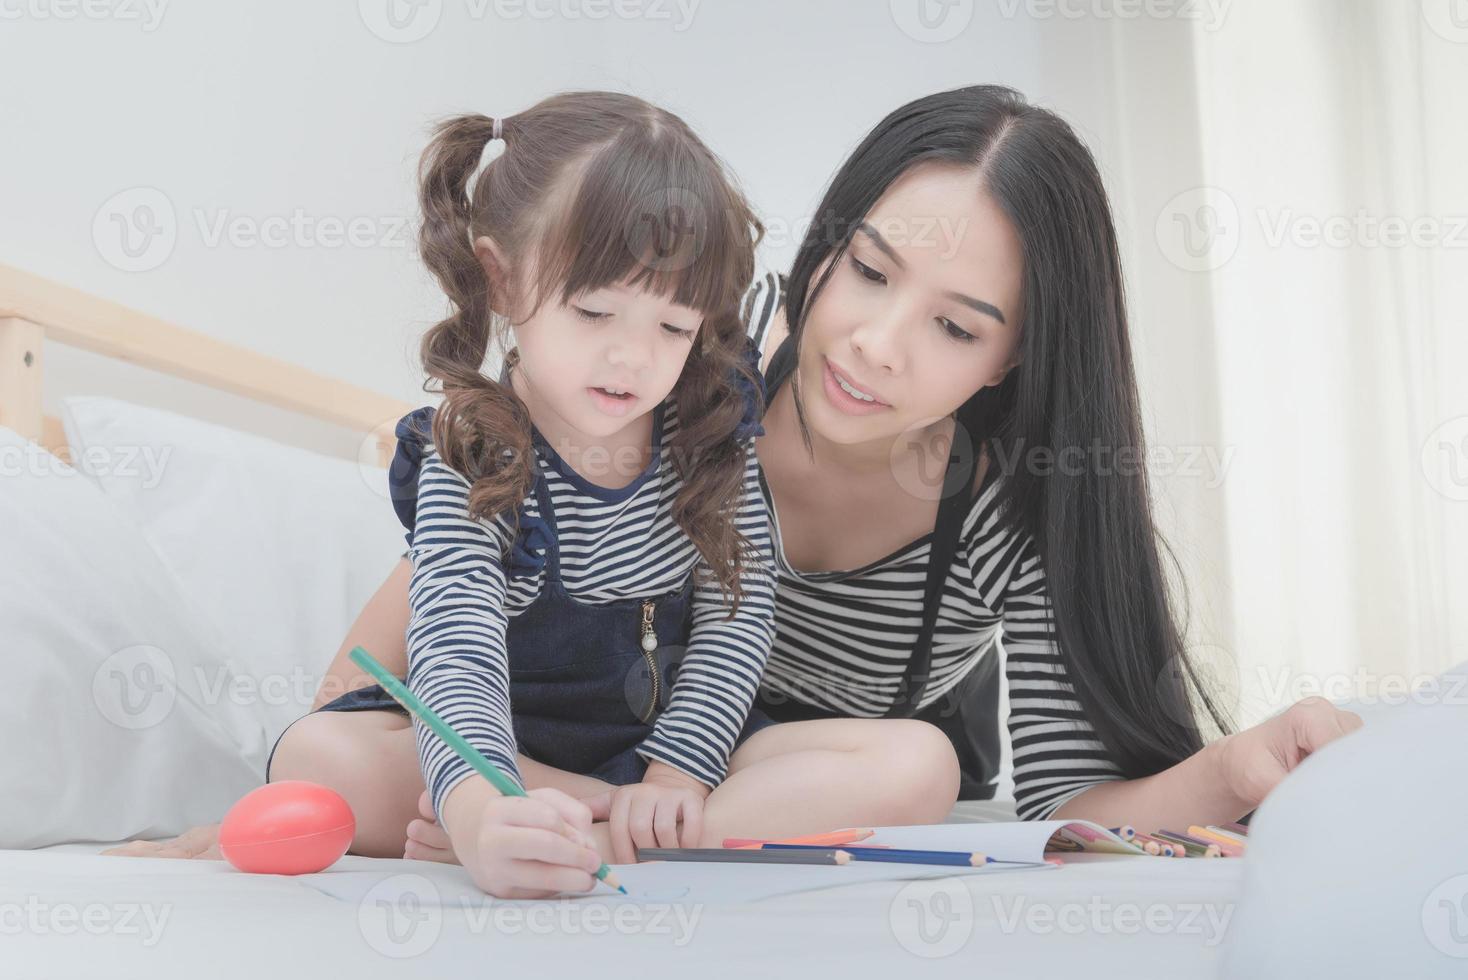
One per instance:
(1300, 263)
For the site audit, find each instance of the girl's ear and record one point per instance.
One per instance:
(496, 271)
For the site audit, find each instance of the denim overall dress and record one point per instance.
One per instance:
(587, 681)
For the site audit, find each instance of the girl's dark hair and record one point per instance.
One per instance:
(592, 189)
(1074, 387)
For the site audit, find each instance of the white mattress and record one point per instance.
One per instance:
(71, 912)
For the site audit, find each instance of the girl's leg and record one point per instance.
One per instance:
(371, 759)
(805, 777)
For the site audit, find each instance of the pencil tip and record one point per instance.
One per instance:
(622, 889)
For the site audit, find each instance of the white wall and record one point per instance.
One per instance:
(247, 112)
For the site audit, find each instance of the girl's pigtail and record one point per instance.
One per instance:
(482, 429)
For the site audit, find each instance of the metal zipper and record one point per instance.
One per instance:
(649, 643)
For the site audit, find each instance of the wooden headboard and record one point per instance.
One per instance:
(35, 311)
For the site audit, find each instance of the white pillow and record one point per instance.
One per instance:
(119, 720)
(278, 547)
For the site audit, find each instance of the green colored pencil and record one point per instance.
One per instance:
(467, 752)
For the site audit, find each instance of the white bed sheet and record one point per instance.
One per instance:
(1099, 916)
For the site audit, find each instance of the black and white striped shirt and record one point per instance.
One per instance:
(614, 544)
(843, 638)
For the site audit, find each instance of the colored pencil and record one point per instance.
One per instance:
(829, 838)
(1228, 845)
(1125, 832)
(797, 854)
(1163, 848)
(897, 855)
(1191, 845)
(1235, 828)
(467, 752)
(1240, 839)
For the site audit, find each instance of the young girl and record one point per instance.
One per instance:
(591, 599)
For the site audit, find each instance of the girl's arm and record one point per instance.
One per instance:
(381, 629)
(721, 669)
(457, 655)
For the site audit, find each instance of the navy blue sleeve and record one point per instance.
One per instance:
(414, 433)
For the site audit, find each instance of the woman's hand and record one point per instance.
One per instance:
(516, 847)
(1252, 762)
(664, 810)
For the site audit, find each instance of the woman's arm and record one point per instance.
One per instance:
(1221, 782)
(381, 629)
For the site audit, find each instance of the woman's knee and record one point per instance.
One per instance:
(923, 762)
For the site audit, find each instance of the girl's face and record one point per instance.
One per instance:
(922, 312)
(604, 359)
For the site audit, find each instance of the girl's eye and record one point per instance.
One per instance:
(955, 331)
(677, 331)
(590, 314)
(866, 271)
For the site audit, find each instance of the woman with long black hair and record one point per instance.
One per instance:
(952, 458)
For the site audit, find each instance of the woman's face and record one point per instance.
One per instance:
(922, 312)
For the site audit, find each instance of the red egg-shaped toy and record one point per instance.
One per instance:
(292, 827)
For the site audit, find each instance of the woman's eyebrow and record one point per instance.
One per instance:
(886, 249)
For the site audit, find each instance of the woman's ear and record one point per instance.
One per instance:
(496, 271)
(1004, 371)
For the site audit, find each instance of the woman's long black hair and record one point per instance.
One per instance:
(1075, 387)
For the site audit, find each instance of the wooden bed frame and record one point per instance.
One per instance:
(34, 311)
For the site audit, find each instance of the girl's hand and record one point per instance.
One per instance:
(1253, 762)
(531, 846)
(664, 810)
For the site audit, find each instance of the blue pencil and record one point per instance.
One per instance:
(896, 855)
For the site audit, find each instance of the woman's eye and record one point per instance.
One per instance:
(866, 271)
(586, 314)
(677, 331)
(955, 331)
